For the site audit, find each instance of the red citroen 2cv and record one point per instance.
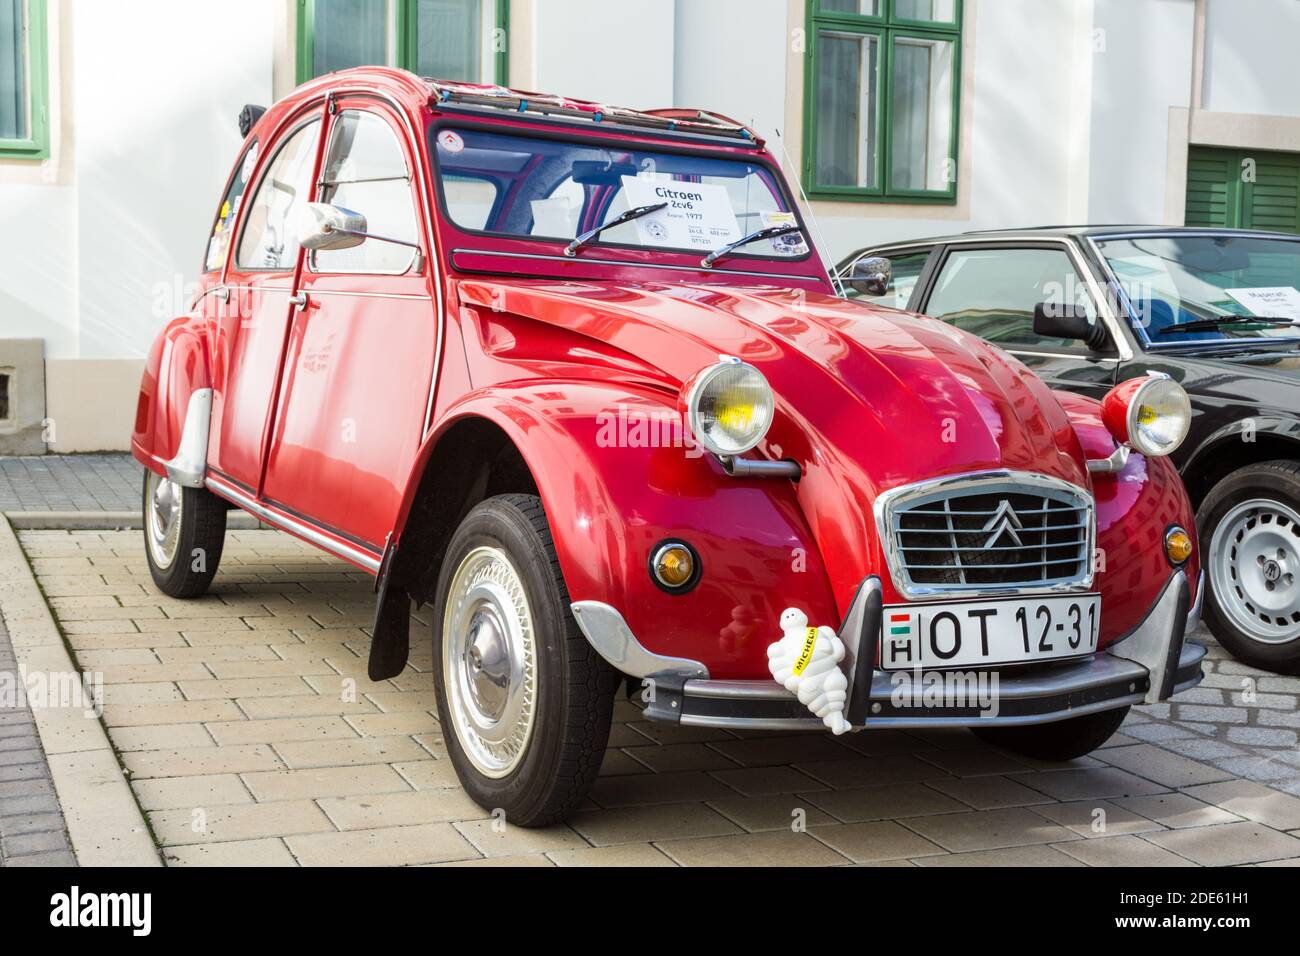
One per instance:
(573, 375)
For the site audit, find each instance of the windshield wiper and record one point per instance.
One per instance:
(1227, 321)
(767, 232)
(635, 213)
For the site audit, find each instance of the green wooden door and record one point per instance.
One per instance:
(1243, 189)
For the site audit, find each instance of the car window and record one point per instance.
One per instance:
(366, 172)
(270, 238)
(905, 271)
(992, 293)
(228, 211)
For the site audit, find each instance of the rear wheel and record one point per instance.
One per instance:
(1250, 539)
(524, 700)
(1061, 740)
(184, 532)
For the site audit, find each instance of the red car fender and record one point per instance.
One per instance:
(611, 500)
(1136, 506)
(177, 366)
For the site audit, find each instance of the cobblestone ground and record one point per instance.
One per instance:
(32, 831)
(252, 736)
(70, 483)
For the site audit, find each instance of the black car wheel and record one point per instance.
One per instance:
(1060, 740)
(184, 532)
(1249, 526)
(525, 702)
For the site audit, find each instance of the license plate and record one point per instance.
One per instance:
(978, 633)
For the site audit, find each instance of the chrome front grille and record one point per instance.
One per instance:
(991, 533)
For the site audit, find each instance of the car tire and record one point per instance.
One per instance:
(184, 533)
(525, 702)
(1060, 740)
(1249, 528)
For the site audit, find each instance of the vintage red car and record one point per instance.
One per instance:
(574, 376)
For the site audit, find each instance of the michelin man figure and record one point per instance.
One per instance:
(805, 661)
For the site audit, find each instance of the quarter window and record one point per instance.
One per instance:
(882, 99)
(228, 212)
(24, 110)
(992, 293)
(269, 241)
(444, 39)
(366, 172)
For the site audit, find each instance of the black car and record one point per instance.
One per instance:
(1218, 310)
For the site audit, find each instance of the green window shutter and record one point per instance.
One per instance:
(1212, 180)
(1273, 199)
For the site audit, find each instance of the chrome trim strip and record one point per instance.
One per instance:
(775, 278)
(971, 482)
(368, 295)
(190, 464)
(608, 633)
(1115, 463)
(306, 531)
(1194, 615)
(1099, 297)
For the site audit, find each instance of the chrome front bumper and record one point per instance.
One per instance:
(1149, 664)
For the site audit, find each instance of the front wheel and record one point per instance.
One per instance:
(525, 702)
(184, 532)
(1250, 541)
(1061, 740)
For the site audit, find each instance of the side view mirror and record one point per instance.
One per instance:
(1062, 320)
(323, 226)
(870, 276)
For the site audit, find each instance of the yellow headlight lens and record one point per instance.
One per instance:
(674, 565)
(1159, 416)
(1178, 546)
(730, 408)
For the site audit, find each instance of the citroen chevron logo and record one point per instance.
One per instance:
(1004, 521)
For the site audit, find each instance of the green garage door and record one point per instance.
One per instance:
(1243, 189)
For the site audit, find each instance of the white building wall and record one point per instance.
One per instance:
(1142, 68)
(1252, 57)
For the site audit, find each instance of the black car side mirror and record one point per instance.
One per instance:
(1062, 320)
(870, 276)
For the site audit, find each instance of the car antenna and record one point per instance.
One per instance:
(819, 239)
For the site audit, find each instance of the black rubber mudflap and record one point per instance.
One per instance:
(391, 645)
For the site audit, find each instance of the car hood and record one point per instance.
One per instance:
(868, 398)
(910, 396)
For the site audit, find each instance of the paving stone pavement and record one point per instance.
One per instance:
(70, 483)
(32, 830)
(253, 736)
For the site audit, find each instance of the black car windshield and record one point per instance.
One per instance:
(1201, 288)
(540, 188)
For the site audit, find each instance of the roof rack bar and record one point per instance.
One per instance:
(499, 98)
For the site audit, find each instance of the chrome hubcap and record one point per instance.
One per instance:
(1255, 569)
(164, 500)
(489, 661)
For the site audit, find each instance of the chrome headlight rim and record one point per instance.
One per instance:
(702, 380)
(1136, 438)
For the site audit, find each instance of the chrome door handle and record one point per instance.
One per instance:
(299, 301)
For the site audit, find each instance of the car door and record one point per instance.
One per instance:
(361, 349)
(991, 289)
(260, 276)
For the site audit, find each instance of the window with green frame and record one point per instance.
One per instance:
(881, 100)
(24, 107)
(445, 39)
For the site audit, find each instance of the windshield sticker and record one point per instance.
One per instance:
(1273, 302)
(451, 141)
(698, 215)
(250, 160)
(791, 244)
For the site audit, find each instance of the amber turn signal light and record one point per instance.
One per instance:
(674, 566)
(1178, 546)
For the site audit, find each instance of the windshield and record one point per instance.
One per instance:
(1212, 286)
(531, 187)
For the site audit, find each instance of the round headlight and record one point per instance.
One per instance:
(1150, 414)
(729, 407)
